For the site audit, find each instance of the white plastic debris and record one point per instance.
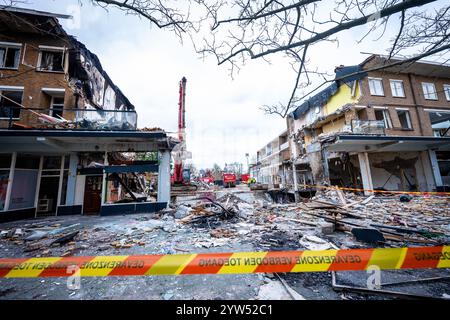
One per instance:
(311, 242)
(182, 212)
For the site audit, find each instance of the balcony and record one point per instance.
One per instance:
(67, 119)
(284, 146)
(375, 127)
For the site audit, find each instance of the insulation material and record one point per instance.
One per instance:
(109, 101)
(96, 81)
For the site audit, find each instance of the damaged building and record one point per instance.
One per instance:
(69, 142)
(272, 165)
(376, 129)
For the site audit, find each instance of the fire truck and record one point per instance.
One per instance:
(229, 180)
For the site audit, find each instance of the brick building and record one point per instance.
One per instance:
(385, 129)
(69, 142)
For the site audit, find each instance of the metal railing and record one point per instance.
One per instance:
(368, 127)
(67, 119)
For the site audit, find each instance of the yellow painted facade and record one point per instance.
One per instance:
(308, 139)
(342, 97)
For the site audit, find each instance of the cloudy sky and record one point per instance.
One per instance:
(223, 117)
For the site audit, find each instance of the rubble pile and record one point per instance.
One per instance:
(417, 220)
(233, 221)
(40, 237)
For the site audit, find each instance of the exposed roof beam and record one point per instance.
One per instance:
(35, 12)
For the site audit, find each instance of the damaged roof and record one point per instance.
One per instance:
(86, 73)
(348, 74)
(14, 19)
(78, 71)
(35, 12)
(343, 74)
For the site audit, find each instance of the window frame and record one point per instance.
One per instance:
(42, 49)
(382, 87)
(425, 95)
(10, 45)
(408, 118)
(444, 111)
(386, 116)
(52, 104)
(13, 89)
(447, 91)
(391, 82)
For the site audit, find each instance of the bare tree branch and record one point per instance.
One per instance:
(233, 31)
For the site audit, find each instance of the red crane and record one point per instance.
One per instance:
(178, 168)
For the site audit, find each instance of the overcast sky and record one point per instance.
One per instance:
(223, 117)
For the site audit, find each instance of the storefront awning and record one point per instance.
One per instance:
(83, 141)
(368, 143)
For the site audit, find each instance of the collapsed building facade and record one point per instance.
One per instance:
(376, 130)
(69, 140)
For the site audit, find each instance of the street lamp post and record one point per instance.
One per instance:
(248, 166)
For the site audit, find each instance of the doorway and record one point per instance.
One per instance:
(48, 196)
(92, 194)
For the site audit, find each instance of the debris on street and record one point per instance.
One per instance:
(245, 220)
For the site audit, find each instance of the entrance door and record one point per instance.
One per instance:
(92, 194)
(48, 196)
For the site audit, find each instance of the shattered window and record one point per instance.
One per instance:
(52, 60)
(57, 107)
(10, 102)
(9, 57)
(404, 118)
(440, 122)
(383, 115)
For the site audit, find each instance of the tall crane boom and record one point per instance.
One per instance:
(182, 109)
(178, 168)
